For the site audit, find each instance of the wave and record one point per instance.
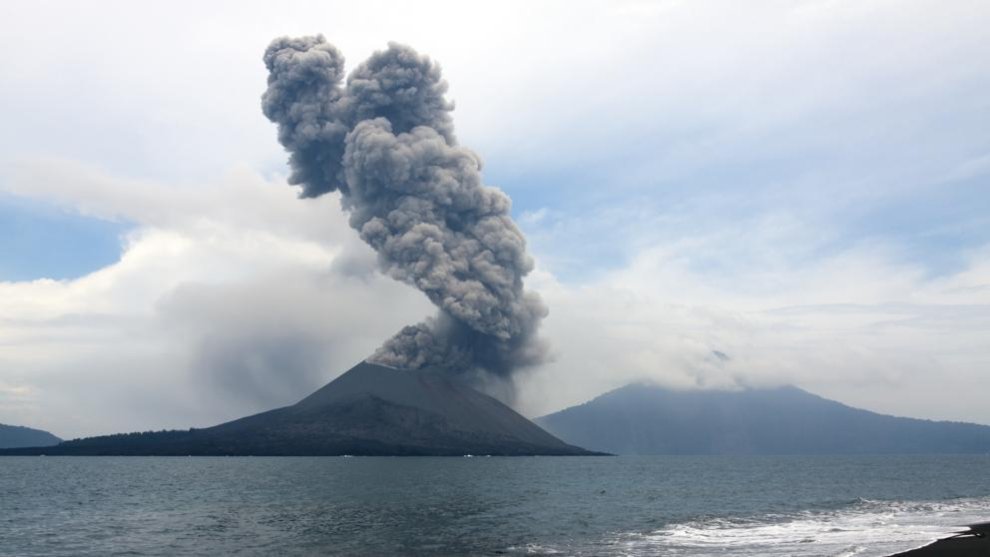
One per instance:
(862, 528)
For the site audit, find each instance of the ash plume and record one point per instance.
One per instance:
(385, 141)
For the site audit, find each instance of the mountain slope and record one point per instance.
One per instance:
(641, 419)
(19, 436)
(369, 410)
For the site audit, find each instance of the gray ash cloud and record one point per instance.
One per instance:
(385, 140)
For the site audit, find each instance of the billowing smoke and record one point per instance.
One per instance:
(385, 141)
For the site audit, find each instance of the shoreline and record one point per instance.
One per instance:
(973, 542)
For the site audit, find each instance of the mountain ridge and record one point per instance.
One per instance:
(648, 419)
(13, 436)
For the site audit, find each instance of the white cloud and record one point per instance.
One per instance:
(859, 326)
(155, 92)
(227, 299)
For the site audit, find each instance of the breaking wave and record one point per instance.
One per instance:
(862, 528)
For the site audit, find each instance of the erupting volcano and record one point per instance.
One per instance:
(385, 142)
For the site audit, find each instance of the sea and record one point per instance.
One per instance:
(476, 505)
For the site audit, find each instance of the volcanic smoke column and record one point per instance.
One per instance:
(385, 141)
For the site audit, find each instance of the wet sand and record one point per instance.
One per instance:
(963, 546)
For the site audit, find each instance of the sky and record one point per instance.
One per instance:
(716, 195)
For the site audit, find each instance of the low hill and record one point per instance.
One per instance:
(369, 410)
(642, 419)
(18, 436)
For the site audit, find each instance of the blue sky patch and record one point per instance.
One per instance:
(39, 241)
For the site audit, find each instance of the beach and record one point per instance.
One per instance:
(966, 545)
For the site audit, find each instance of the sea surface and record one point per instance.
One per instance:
(685, 506)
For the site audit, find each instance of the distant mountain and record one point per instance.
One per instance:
(369, 410)
(641, 419)
(18, 436)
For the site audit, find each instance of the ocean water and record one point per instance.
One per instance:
(684, 506)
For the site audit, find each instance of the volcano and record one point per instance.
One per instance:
(371, 410)
(649, 419)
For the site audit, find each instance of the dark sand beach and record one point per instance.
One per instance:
(974, 543)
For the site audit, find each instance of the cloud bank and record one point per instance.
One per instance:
(218, 307)
(212, 313)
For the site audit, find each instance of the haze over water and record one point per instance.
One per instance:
(691, 506)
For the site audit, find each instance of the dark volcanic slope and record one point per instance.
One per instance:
(370, 410)
(19, 436)
(640, 419)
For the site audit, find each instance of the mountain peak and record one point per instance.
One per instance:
(368, 410)
(650, 419)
